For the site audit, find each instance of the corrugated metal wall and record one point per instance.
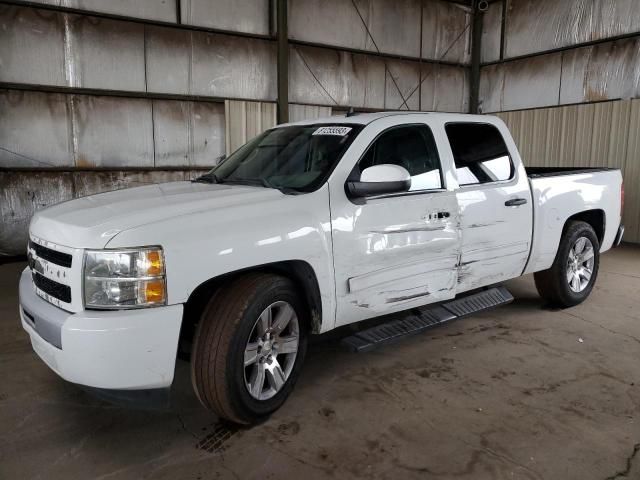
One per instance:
(605, 134)
(546, 52)
(581, 57)
(97, 88)
(245, 120)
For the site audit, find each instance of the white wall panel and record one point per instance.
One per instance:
(307, 112)
(245, 120)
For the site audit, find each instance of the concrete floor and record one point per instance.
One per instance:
(521, 392)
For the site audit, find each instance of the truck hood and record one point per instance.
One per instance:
(91, 222)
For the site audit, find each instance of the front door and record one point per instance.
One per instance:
(395, 252)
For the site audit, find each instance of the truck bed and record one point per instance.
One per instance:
(559, 194)
(540, 172)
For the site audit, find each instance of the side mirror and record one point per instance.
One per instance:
(220, 159)
(380, 180)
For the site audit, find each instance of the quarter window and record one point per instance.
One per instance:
(411, 147)
(479, 152)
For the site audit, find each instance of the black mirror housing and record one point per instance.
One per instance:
(369, 189)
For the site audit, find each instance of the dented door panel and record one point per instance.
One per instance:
(395, 253)
(496, 238)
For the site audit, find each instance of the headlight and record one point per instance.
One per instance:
(124, 278)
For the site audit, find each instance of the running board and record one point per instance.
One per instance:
(420, 319)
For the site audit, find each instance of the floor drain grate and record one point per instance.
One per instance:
(215, 441)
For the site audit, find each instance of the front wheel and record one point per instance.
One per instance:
(570, 279)
(249, 347)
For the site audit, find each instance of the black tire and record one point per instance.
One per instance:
(217, 360)
(552, 284)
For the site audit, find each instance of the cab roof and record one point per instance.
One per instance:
(366, 118)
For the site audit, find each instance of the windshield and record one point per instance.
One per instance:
(295, 158)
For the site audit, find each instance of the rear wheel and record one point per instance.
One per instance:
(570, 279)
(249, 347)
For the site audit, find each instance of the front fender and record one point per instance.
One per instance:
(204, 245)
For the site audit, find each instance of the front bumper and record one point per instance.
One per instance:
(120, 349)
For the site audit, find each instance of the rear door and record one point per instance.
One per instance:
(398, 251)
(495, 204)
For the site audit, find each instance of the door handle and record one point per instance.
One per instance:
(443, 215)
(514, 202)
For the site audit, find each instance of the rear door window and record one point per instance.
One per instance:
(479, 152)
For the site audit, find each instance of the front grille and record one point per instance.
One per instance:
(55, 289)
(53, 256)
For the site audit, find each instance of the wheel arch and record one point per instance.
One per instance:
(596, 218)
(300, 272)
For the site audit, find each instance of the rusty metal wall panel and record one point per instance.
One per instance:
(162, 10)
(51, 48)
(333, 22)
(362, 81)
(208, 133)
(250, 16)
(169, 58)
(601, 72)
(532, 82)
(451, 89)
(351, 79)
(89, 183)
(188, 133)
(606, 71)
(307, 112)
(336, 22)
(491, 33)
(233, 67)
(112, 132)
(31, 46)
(538, 25)
(245, 120)
(384, 17)
(21, 194)
(407, 76)
(592, 135)
(446, 31)
(34, 130)
(205, 64)
(104, 53)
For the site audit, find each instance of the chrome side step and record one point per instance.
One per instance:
(420, 319)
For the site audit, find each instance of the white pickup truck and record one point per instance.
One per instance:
(308, 227)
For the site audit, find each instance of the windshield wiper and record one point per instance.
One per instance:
(207, 178)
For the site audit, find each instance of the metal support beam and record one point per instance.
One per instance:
(565, 48)
(283, 62)
(476, 45)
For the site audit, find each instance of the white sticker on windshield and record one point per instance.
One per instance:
(339, 131)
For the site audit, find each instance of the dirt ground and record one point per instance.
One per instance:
(521, 392)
